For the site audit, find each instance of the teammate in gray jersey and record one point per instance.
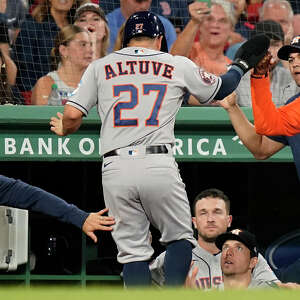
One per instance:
(238, 258)
(211, 218)
(138, 92)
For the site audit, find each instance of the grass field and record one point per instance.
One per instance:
(111, 293)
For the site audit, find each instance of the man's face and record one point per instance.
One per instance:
(211, 218)
(133, 6)
(294, 66)
(235, 258)
(279, 14)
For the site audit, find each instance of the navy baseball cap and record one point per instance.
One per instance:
(294, 47)
(271, 29)
(243, 236)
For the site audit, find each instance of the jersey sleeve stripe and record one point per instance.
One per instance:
(78, 106)
(215, 91)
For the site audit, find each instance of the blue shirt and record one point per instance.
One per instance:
(14, 14)
(116, 19)
(32, 49)
(16, 193)
(292, 141)
(175, 10)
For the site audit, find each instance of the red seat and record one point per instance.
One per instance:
(27, 97)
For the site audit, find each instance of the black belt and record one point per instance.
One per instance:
(149, 150)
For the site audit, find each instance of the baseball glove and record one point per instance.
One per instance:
(251, 52)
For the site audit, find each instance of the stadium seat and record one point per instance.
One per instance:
(252, 12)
(283, 256)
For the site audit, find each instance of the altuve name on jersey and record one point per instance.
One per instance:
(143, 67)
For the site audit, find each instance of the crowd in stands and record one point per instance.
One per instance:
(31, 29)
(32, 38)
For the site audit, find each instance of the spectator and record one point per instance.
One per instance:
(8, 71)
(127, 7)
(214, 30)
(91, 17)
(119, 40)
(279, 11)
(279, 76)
(242, 26)
(296, 24)
(174, 10)
(211, 209)
(12, 13)
(35, 40)
(71, 55)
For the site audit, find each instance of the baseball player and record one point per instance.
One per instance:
(138, 91)
(16, 193)
(270, 120)
(238, 258)
(211, 218)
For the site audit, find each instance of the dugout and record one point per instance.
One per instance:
(264, 194)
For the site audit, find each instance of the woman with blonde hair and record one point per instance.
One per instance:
(91, 17)
(119, 39)
(71, 55)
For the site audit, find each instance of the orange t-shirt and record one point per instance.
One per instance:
(200, 57)
(268, 119)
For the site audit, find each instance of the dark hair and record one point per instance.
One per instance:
(213, 193)
(5, 89)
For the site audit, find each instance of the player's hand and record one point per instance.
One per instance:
(289, 285)
(96, 221)
(229, 101)
(198, 10)
(263, 67)
(190, 281)
(57, 125)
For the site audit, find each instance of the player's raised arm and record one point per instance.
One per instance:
(214, 87)
(268, 119)
(248, 56)
(259, 145)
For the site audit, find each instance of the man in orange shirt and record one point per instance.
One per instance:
(268, 119)
(274, 128)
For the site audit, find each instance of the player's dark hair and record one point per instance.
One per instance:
(213, 193)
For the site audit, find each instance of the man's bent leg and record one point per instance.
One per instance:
(137, 274)
(177, 262)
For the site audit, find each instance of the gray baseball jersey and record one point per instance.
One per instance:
(138, 92)
(209, 270)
